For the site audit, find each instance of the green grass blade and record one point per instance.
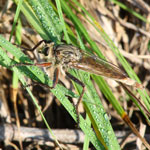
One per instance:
(16, 18)
(62, 20)
(130, 10)
(32, 19)
(96, 112)
(79, 26)
(95, 109)
(86, 139)
(18, 42)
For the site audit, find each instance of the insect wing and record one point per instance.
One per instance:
(93, 64)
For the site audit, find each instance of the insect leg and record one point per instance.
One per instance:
(46, 64)
(55, 81)
(37, 45)
(56, 77)
(81, 95)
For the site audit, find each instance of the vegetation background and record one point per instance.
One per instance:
(98, 26)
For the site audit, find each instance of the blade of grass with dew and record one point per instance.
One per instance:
(96, 112)
(86, 139)
(58, 91)
(98, 116)
(41, 16)
(48, 19)
(32, 19)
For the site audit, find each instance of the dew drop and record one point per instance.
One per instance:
(3, 41)
(109, 132)
(105, 116)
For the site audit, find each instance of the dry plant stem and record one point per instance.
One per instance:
(141, 104)
(29, 134)
(128, 55)
(25, 108)
(5, 113)
(126, 139)
(42, 136)
(142, 132)
(141, 5)
(145, 40)
(135, 131)
(14, 99)
(13, 145)
(133, 27)
(127, 120)
(126, 24)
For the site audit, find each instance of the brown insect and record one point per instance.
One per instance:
(64, 57)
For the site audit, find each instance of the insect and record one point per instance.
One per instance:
(64, 57)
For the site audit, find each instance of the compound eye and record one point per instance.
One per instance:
(46, 51)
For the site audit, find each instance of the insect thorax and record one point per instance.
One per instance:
(66, 54)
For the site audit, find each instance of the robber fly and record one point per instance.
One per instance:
(66, 56)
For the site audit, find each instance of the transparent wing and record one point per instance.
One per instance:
(93, 64)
